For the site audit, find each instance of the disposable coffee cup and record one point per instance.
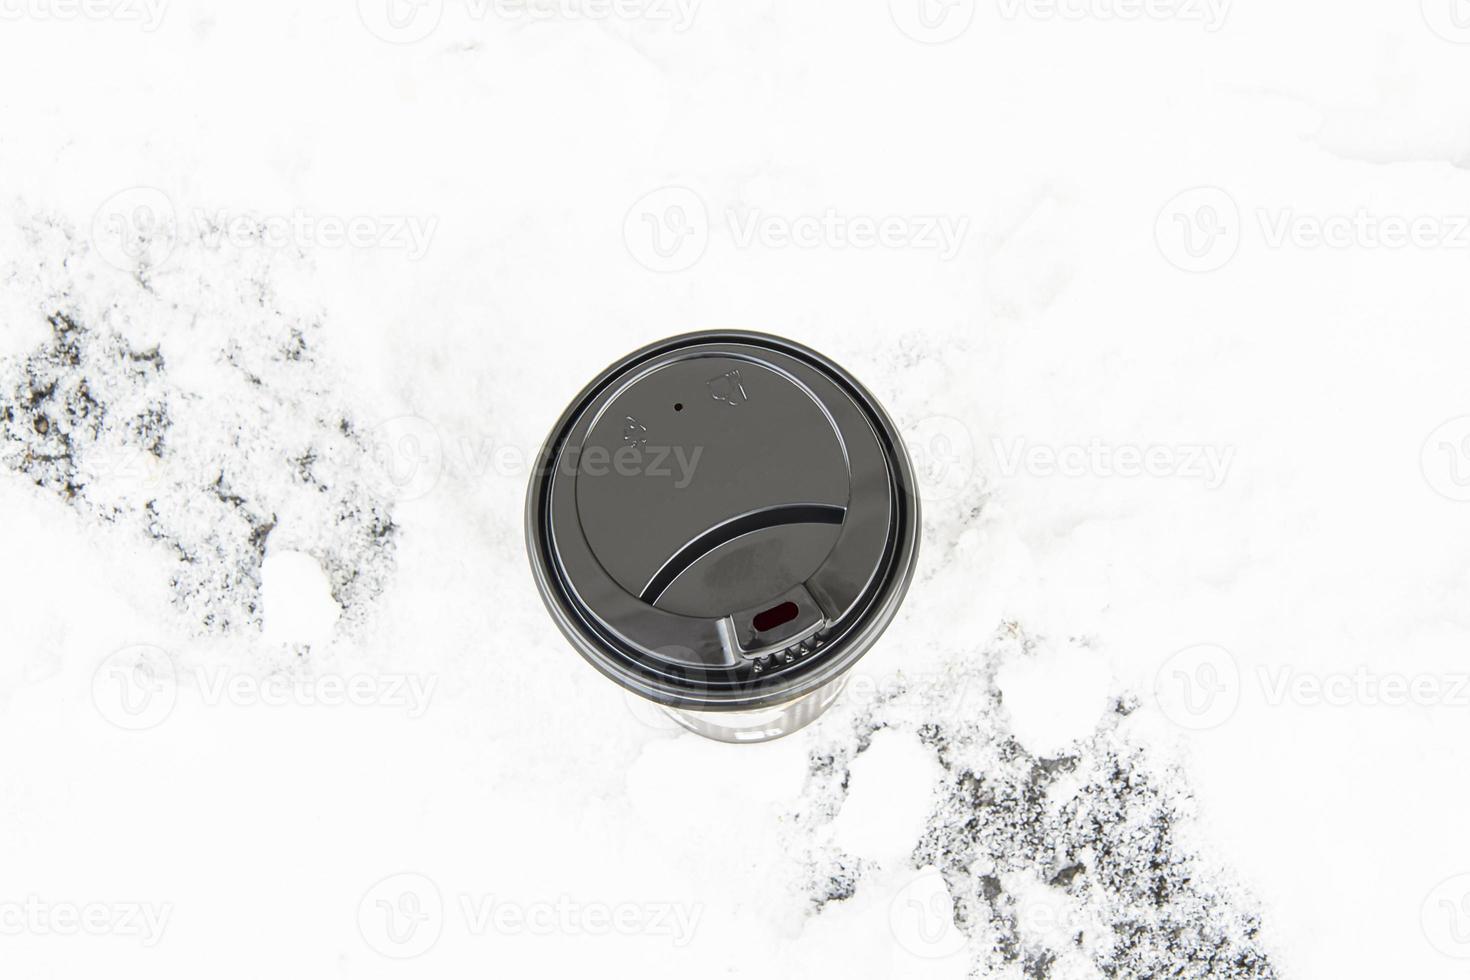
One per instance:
(723, 523)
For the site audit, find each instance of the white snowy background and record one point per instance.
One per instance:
(1171, 299)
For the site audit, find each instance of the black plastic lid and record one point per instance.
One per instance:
(723, 521)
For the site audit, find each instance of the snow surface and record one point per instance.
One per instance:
(1169, 299)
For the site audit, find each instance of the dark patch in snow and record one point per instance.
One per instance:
(214, 463)
(1100, 831)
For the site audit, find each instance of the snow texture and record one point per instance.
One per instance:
(251, 444)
